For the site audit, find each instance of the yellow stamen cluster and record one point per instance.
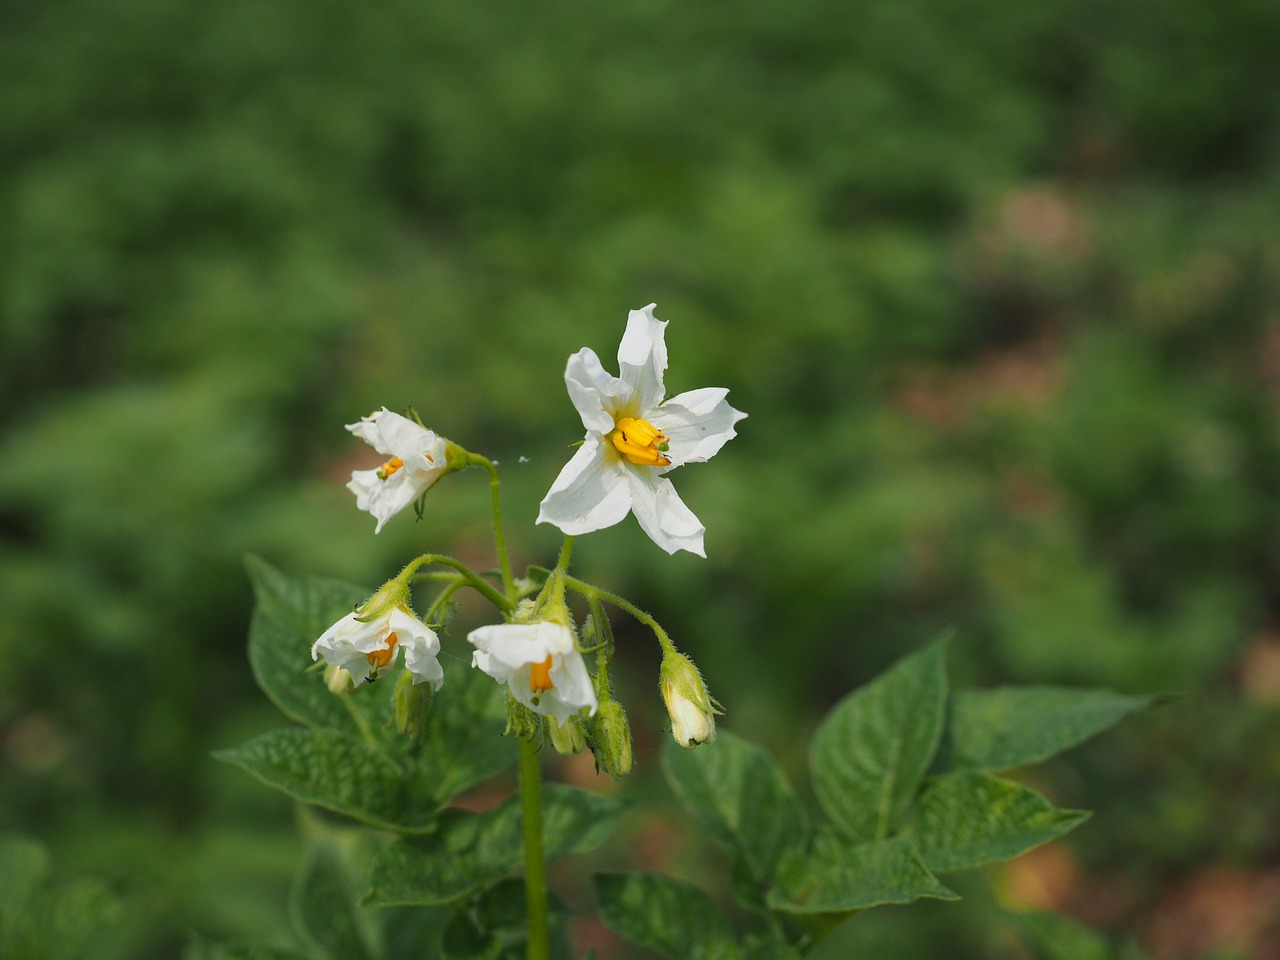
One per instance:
(640, 442)
(380, 658)
(540, 676)
(390, 467)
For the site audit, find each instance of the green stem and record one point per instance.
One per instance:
(535, 866)
(566, 549)
(474, 580)
(593, 593)
(499, 537)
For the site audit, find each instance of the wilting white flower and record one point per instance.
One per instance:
(418, 459)
(633, 439)
(366, 649)
(540, 664)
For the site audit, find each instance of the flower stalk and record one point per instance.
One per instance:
(535, 865)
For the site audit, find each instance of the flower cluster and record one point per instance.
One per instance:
(635, 437)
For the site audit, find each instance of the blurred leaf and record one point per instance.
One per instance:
(470, 851)
(870, 753)
(664, 914)
(968, 819)
(290, 616)
(741, 796)
(1009, 727)
(201, 949)
(24, 867)
(335, 771)
(462, 742)
(1055, 937)
(323, 906)
(837, 877)
(410, 933)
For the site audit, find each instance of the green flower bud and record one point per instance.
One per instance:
(338, 680)
(411, 702)
(611, 739)
(522, 721)
(692, 711)
(568, 737)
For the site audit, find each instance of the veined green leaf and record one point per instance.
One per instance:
(873, 749)
(332, 770)
(1009, 727)
(968, 819)
(837, 877)
(742, 798)
(470, 851)
(664, 914)
(323, 905)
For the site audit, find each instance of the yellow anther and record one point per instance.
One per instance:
(540, 676)
(390, 467)
(380, 658)
(640, 442)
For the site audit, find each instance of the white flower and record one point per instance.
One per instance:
(633, 439)
(539, 663)
(418, 459)
(366, 649)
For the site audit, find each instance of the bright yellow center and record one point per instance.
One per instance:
(640, 442)
(540, 676)
(390, 467)
(380, 658)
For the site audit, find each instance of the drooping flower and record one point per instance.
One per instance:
(367, 648)
(418, 458)
(692, 711)
(634, 438)
(540, 664)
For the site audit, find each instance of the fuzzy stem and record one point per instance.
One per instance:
(535, 867)
(474, 580)
(594, 593)
(499, 537)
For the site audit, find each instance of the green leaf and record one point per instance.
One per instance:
(1055, 937)
(968, 819)
(470, 851)
(1009, 727)
(201, 949)
(462, 742)
(410, 933)
(24, 868)
(331, 770)
(664, 914)
(742, 798)
(870, 754)
(836, 877)
(290, 615)
(323, 905)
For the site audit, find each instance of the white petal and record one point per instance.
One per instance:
(662, 514)
(697, 423)
(420, 645)
(590, 493)
(596, 393)
(642, 357)
(573, 686)
(385, 498)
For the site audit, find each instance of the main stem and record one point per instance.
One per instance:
(535, 867)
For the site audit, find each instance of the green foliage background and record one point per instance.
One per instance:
(998, 285)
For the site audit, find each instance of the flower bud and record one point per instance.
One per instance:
(410, 703)
(522, 721)
(391, 595)
(568, 737)
(338, 680)
(611, 739)
(692, 711)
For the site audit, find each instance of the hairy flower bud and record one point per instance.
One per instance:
(410, 704)
(692, 711)
(611, 740)
(568, 737)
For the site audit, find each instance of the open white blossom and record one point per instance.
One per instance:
(418, 458)
(365, 650)
(635, 437)
(540, 664)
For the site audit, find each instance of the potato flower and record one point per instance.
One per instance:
(540, 664)
(418, 458)
(365, 649)
(634, 438)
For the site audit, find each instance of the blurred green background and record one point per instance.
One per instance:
(998, 284)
